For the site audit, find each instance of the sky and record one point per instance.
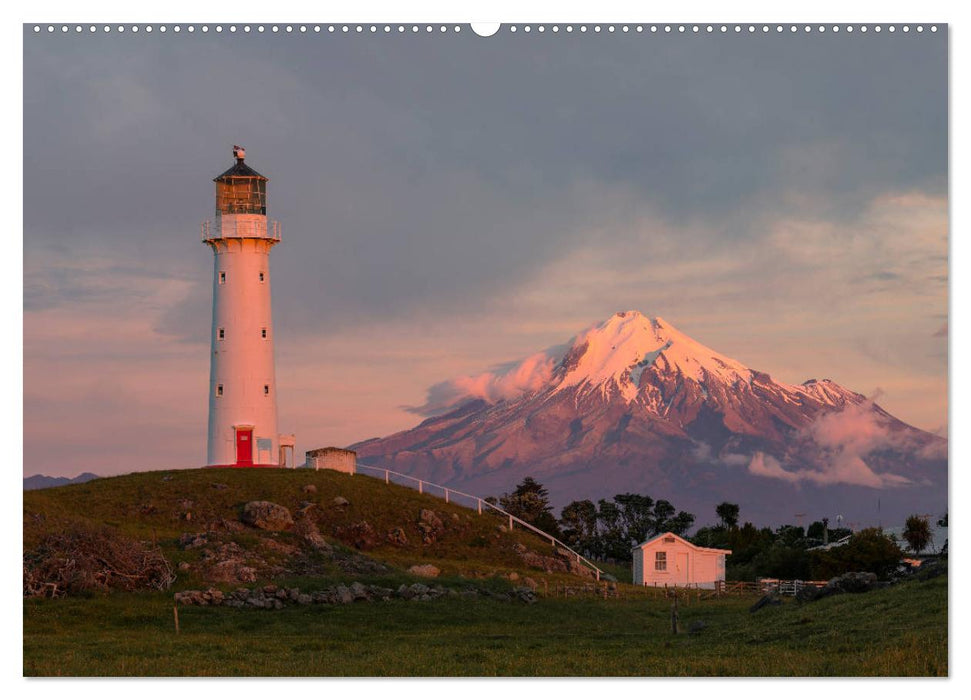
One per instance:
(451, 203)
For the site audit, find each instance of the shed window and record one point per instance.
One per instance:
(222, 333)
(219, 390)
(660, 561)
(222, 278)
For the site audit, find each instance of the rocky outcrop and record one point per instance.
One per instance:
(430, 526)
(267, 516)
(359, 535)
(272, 597)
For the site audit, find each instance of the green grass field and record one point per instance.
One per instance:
(900, 631)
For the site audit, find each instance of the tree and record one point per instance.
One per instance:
(867, 550)
(530, 503)
(917, 533)
(728, 514)
(637, 517)
(578, 522)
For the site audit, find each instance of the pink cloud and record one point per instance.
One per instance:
(504, 382)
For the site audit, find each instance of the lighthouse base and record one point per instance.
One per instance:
(243, 466)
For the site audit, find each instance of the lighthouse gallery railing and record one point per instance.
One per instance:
(246, 228)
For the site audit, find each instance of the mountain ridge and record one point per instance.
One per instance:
(634, 404)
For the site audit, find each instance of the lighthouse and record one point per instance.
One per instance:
(242, 375)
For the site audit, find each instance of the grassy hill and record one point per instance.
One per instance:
(901, 630)
(162, 507)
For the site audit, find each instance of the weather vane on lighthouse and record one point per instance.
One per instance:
(242, 375)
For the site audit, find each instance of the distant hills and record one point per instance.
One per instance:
(39, 481)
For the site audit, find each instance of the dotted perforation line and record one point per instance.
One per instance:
(250, 28)
(717, 28)
(513, 28)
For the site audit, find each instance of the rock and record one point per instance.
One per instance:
(430, 525)
(304, 599)
(426, 570)
(267, 516)
(293, 594)
(184, 566)
(274, 604)
(343, 595)
(340, 502)
(310, 488)
(219, 487)
(404, 592)
(397, 537)
(512, 576)
(768, 599)
(419, 589)
(697, 627)
(808, 594)
(270, 589)
(525, 594)
(359, 591)
(359, 535)
(281, 593)
(307, 529)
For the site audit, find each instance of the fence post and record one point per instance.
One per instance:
(480, 505)
(421, 486)
(446, 495)
(387, 476)
(510, 523)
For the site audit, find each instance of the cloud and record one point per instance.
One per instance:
(842, 441)
(504, 382)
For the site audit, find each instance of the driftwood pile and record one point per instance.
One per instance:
(93, 560)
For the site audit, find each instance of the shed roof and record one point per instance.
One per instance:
(695, 547)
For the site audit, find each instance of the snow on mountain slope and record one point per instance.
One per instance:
(633, 403)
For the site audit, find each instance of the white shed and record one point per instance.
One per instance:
(672, 560)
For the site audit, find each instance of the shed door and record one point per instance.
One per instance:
(683, 573)
(244, 446)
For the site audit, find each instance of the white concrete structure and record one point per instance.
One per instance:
(242, 377)
(671, 560)
(333, 458)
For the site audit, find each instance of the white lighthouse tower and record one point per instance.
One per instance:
(242, 377)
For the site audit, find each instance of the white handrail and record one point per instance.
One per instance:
(480, 502)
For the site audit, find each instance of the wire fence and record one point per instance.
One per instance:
(480, 504)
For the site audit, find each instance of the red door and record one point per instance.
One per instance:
(244, 446)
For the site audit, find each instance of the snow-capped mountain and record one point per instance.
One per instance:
(634, 405)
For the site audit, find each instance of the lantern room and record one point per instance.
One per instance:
(240, 190)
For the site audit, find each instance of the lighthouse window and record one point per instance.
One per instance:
(219, 390)
(660, 561)
(222, 333)
(266, 390)
(263, 332)
(262, 277)
(222, 278)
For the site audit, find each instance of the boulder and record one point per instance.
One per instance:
(340, 502)
(425, 570)
(267, 516)
(768, 599)
(430, 525)
(310, 488)
(397, 537)
(304, 599)
(359, 535)
(697, 627)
